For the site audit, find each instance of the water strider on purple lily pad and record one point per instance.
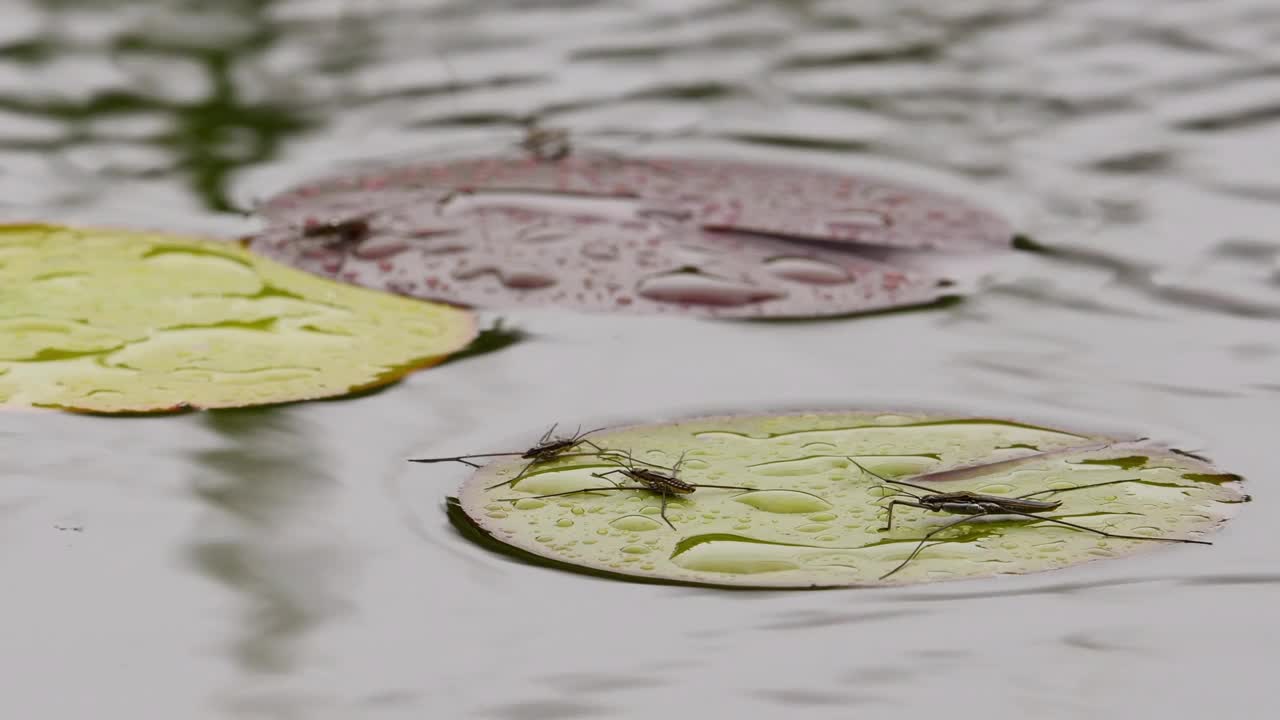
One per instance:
(599, 232)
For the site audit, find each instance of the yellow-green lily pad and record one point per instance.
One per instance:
(816, 500)
(111, 321)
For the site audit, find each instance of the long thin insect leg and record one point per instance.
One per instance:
(571, 455)
(663, 511)
(726, 487)
(925, 539)
(1190, 453)
(632, 461)
(571, 492)
(528, 466)
(461, 458)
(547, 435)
(579, 454)
(1102, 532)
(1078, 487)
(525, 470)
(599, 450)
(888, 522)
(609, 456)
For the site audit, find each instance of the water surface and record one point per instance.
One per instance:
(286, 563)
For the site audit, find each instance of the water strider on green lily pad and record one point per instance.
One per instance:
(121, 322)
(806, 498)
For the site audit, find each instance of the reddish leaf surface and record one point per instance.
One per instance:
(600, 233)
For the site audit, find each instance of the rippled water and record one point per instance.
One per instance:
(286, 563)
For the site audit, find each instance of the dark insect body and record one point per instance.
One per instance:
(648, 479)
(547, 448)
(340, 233)
(974, 505)
(1194, 455)
(546, 144)
(551, 145)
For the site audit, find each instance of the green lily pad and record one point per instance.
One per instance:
(814, 510)
(122, 322)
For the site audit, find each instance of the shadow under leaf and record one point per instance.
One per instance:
(492, 339)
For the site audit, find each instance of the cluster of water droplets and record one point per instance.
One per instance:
(635, 235)
(814, 507)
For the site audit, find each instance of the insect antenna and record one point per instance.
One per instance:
(605, 476)
(882, 478)
(897, 492)
(679, 461)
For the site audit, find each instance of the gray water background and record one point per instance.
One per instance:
(286, 563)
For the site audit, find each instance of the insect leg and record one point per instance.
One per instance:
(547, 435)
(570, 492)
(1078, 487)
(632, 461)
(888, 522)
(614, 455)
(515, 479)
(1194, 454)
(598, 450)
(535, 461)
(925, 539)
(1103, 532)
(461, 458)
(663, 511)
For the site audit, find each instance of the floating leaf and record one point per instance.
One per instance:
(814, 513)
(711, 238)
(109, 321)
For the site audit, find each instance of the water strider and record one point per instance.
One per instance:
(340, 233)
(649, 479)
(545, 144)
(546, 449)
(975, 505)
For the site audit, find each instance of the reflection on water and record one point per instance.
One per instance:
(267, 491)
(288, 563)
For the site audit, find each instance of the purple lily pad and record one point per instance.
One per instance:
(601, 233)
